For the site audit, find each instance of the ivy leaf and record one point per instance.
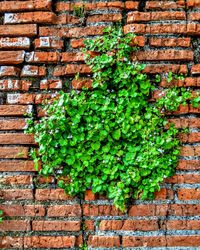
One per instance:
(116, 134)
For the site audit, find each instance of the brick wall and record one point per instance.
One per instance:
(39, 53)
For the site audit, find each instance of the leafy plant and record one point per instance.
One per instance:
(110, 139)
(1, 216)
(79, 11)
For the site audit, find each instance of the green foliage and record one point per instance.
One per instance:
(79, 11)
(1, 216)
(110, 139)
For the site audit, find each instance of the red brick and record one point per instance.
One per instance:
(42, 57)
(194, 16)
(14, 43)
(72, 57)
(17, 165)
(20, 98)
(16, 180)
(189, 194)
(16, 194)
(79, 84)
(33, 71)
(187, 241)
(49, 241)
(56, 226)
(103, 241)
(29, 30)
(104, 18)
(15, 225)
(8, 85)
(71, 69)
(25, 5)
(131, 5)
(14, 124)
(11, 57)
(9, 71)
(164, 5)
(163, 68)
(15, 110)
(100, 210)
(64, 211)
(23, 210)
(190, 151)
(11, 242)
(165, 55)
(29, 17)
(182, 225)
(128, 225)
(195, 69)
(13, 152)
(89, 225)
(184, 209)
(140, 241)
(51, 194)
(51, 84)
(137, 16)
(193, 3)
(164, 194)
(186, 178)
(170, 42)
(148, 210)
(48, 43)
(16, 138)
(188, 165)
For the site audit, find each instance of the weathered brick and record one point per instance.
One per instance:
(183, 240)
(42, 57)
(11, 242)
(170, 42)
(51, 84)
(16, 194)
(25, 5)
(15, 225)
(49, 242)
(29, 30)
(23, 210)
(48, 43)
(56, 226)
(189, 194)
(71, 69)
(9, 71)
(15, 43)
(17, 165)
(15, 110)
(8, 85)
(142, 241)
(11, 57)
(103, 241)
(29, 17)
(64, 211)
(16, 180)
(164, 5)
(13, 152)
(104, 18)
(33, 71)
(51, 194)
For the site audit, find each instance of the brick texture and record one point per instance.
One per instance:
(40, 42)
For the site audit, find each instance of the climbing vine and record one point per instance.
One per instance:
(111, 139)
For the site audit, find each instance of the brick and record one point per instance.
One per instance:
(71, 69)
(179, 240)
(42, 57)
(104, 18)
(51, 84)
(25, 5)
(131, 5)
(20, 98)
(17, 165)
(190, 138)
(67, 6)
(193, 29)
(190, 151)
(195, 69)
(68, 19)
(64, 211)
(15, 110)
(72, 57)
(49, 242)
(71, 32)
(193, 3)
(33, 71)
(100, 210)
(170, 42)
(195, 16)
(142, 241)
(11, 57)
(164, 194)
(8, 85)
(89, 225)
(80, 83)
(164, 5)
(182, 225)
(128, 225)
(20, 30)
(14, 138)
(23, 210)
(89, 195)
(189, 194)
(13, 124)
(48, 43)
(29, 17)
(16, 194)
(11, 242)
(186, 178)
(184, 209)
(148, 210)
(70, 226)
(14, 43)
(13, 152)
(51, 194)
(9, 71)
(137, 16)
(188, 165)
(103, 241)
(15, 225)
(16, 180)
(164, 55)
(163, 68)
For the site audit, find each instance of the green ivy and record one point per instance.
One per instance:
(1, 216)
(110, 139)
